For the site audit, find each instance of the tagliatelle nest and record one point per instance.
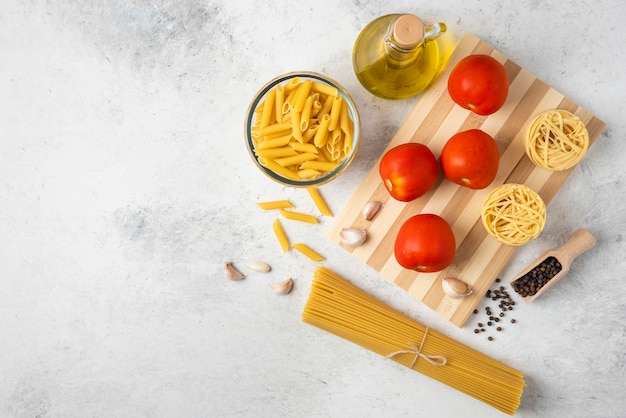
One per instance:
(514, 214)
(556, 140)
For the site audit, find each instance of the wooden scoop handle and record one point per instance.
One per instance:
(578, 243)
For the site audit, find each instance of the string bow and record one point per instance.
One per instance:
(434, 360)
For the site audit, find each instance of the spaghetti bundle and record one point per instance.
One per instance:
(341, 308)
(556, 140)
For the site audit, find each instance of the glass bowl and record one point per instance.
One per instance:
(289, 154)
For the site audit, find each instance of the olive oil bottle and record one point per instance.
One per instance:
(396, 56)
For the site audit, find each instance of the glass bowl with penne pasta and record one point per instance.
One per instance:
(302, 129)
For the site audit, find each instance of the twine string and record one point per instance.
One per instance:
(434, 360)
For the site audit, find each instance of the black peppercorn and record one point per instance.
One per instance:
(530, 283)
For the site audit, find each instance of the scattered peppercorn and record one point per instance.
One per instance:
(505, 303)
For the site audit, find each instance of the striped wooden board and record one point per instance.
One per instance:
(434, 119)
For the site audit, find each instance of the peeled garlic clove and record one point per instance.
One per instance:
(231, 272)
(259, 266)
(371, 209)
(455, 288)
(352, 237)
(282, 288)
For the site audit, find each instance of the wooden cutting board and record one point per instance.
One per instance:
(434, 119)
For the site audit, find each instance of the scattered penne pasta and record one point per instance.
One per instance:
(319, 201)
(308, 251)
(275, 204)
(298, 216)
(279, 232)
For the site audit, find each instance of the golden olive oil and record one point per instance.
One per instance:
(398, 65)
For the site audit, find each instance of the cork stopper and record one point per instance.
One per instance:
(408, 31)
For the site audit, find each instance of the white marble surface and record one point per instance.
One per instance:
(125, 184)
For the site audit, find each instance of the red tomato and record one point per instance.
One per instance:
(479, 83)
(425, 243)
(408, 171)
(470, 158)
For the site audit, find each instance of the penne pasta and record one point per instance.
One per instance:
(321, 135)
(344, 119)
(275, 204)
(280, 235)
(324, 155)
(296, 159)
(347, 146)
(306, 114)
(297, 146)
(315, 108)
(298, 216)
(320, 165)
(310, 133)
(308, 251)
(308, 174)
(278, 169)
(335, 110)
(336, 135)
(319, 201)
(273, 153)
(290, 98)
(279, 100)
(272, 129)
(268, 108)
(324, 89)
(292, 84)
(326, 107)
(295, 125)
(301, 96)
(265, 142)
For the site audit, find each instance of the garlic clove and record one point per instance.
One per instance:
(231, 271)
(455, 288)
(282, 288)
(371, 209)
(259, 266)
(352, 237)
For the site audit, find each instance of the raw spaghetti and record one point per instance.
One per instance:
(337, 306)
(514, 214)
(556, 140)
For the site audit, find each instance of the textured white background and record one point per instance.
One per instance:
(125, 184)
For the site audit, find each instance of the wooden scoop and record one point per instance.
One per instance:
(579, 242)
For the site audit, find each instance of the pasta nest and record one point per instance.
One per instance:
(514, 214)
(556, 140)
